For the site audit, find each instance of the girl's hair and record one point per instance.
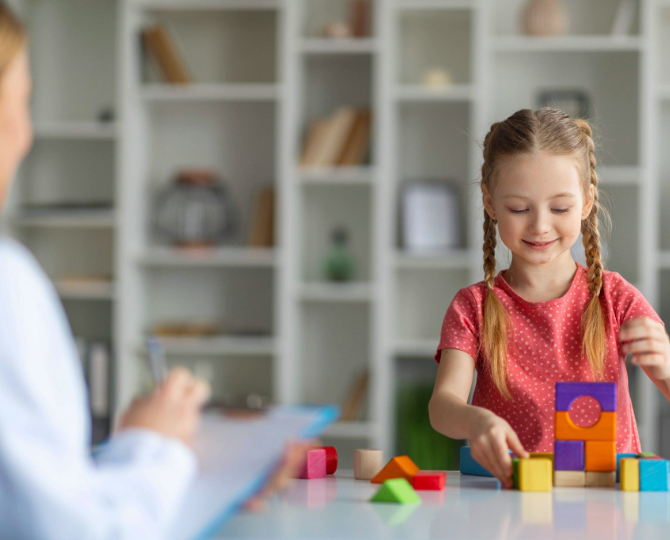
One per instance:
(529, 132)
(12, 36)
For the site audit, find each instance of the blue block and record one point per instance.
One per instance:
(618, 458)
(470, 465)
(654, 474)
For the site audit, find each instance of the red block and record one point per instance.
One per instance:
(315, 464)
(331, 458)
(434, 480)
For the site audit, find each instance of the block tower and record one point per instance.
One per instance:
(585, 456)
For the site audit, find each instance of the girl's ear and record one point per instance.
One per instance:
(488, 203)
(588, 205)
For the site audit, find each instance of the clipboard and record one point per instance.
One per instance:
(236, 457)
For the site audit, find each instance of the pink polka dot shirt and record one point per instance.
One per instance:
(545, 347)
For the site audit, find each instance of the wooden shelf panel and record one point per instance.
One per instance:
(86, 290)
(210, 92)
(209, 5)
(419, 93)
(75, 130)
(337, 175)
(336, 292)
(567, 43)
(409, 5)
(214, 257)
(219, 346)
(457, 259)
(93, 219)
(338, 45)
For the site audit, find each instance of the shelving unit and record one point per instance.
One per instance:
(262, 73)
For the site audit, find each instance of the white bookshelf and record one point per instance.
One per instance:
(262, 72)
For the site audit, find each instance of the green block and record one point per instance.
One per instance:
(397, 490)
(647, 454)
(515, 466)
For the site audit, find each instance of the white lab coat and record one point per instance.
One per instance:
(50, 486)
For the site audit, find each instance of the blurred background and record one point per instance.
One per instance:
(283, 192)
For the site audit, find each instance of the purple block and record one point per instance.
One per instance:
(568, 455)
(603, 392)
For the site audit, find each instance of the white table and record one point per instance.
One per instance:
(470, 507)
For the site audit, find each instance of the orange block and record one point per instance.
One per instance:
(600, 456)
(398, 467)
(603, 430)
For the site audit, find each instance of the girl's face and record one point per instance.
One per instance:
(15, 127)
(539, 205)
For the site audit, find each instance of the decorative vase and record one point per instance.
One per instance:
(545, 18)
(195, 210)
(339, 264)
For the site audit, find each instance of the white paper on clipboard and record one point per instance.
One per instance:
(236, 457)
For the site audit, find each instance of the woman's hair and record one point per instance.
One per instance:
(12, 36)
(529, 132)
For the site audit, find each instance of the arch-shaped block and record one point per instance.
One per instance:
(603, 430)
(603, 392)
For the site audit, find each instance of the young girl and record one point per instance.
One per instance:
(546, 318)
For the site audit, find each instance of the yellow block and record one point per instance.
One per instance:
(543, 455)
(603, 430)
(535, 474)
(629, 474)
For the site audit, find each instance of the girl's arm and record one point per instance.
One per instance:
(490, 436)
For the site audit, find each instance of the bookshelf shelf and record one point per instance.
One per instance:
(419, 93)
(75, 130)
(209, 5)
(88, 219)
(337, 175)
(210, 92)
(459, 259)
(214, 257)
(238, 346)
(338, 46)
(336, 293)
(432, 5)
(567, 43)
(417, 348)
(86, 290)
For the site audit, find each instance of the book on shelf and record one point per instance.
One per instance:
(623, 19)
(340, 140)
(262, 219)
(161, 48)
(352, 406)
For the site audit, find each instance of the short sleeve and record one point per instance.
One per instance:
(460, 328)
(629, 303)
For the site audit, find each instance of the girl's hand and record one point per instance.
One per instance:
(490, 441)
(649, 344)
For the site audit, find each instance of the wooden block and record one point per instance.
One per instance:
(398, 467)
(469, 465)
(315, 464)
(600, 479)
(619, 457)
(600, 456)
(604, 393)
(544, 455)
(603, 430)
(331, 458)
(654, 474)
(396, 490)
(367, 463)
(535, 474)
(515, 472)
(569, 455)
(569, 478)
(629, 473)
(647, 455)
(430, 480)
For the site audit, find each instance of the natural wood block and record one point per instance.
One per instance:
(367, 463)
(629, 474)
(600, 456)
(569, 478)
(430, 480)
(603, 430)
(600, 479)
(398, 467)
(535, 474)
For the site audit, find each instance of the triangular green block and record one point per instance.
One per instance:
(397, 490)
(647, 454)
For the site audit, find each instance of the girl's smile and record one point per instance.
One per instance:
(540, 246)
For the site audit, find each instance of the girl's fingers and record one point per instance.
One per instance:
(649, 359)
(515, 445)
(496, 466)
(502, 456)
(640, 328)
(643, 346)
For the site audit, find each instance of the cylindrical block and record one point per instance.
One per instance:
(367, 463)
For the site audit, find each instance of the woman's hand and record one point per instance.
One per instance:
(648, 342)
(172, 409)
(490, 440)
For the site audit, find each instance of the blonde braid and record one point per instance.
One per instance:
(593, 320)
